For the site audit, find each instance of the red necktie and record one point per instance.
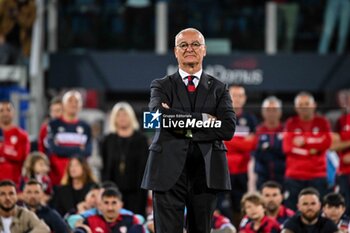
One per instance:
(190, 84)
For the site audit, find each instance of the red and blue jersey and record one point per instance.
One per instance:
(219, 221)
(124, 223)
(66, 140)
(45, 182)
(270, 161)
(283, 215)
(267, 225)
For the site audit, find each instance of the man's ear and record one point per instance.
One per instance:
(175, 52)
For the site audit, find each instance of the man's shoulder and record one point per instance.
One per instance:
(165, 79)
(46, 211)
(292, 223)
(326, 224)
(214, 80)
(24, 213)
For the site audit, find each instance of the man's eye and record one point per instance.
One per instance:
(183, 46)
(196, 44)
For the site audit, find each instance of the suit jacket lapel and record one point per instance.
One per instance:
(202, 91)
(181, 92)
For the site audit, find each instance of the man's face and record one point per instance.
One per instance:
(6, 113)
(93, 197)
(32, 195)
(195, 51)
(334, 213)
(8, 198)
(309, 205)
(305, 107)
(272, 197)
(272, 112)
(238, 97)
(110, 207)
(56, 110)
(72, 105)
(253, 211)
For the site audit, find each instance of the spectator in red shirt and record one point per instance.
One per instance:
(14, 144)
(253, 206)
(111, 219)
(343, 149)
(238, 153)
(273, 196)
(37, 167)
(55, 113)
(306, 139)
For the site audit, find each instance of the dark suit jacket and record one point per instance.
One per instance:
(168, 150)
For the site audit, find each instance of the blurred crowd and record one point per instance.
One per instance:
(129, 25)
(303, 25)
(16, 21)
(83, 177)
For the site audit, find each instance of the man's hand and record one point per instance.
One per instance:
(346, 158)
(299, 141)
(80, 224)
(165, 105)
(211, 118)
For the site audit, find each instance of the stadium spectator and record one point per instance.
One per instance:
(15, 218)
(343, 102)
(124, 152)
(67, 136)
(305, 142)
(334, 209)
(309, 219)
(343, 150)
(239, 150)
(111, 219)
(253, 206)
(37, 167)
(76, 183)
(55, 113)
(273, 196)
(93, 200)
(270, 161)
(32, 196)
(14, 144)
(9, 53)
(25, 18)
(336, 11)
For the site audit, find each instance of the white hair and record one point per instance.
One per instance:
(303, 93)
(189, 29)
(270, 99)
(75, 94)
(122, 106)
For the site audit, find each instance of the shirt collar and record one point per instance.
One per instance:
(184, 74)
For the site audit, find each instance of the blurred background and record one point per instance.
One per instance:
(110, 50)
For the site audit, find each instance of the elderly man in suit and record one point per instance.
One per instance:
(188, 167)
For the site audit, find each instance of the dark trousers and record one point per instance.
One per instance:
(293, 188)
(344, 188)
(190, 191)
